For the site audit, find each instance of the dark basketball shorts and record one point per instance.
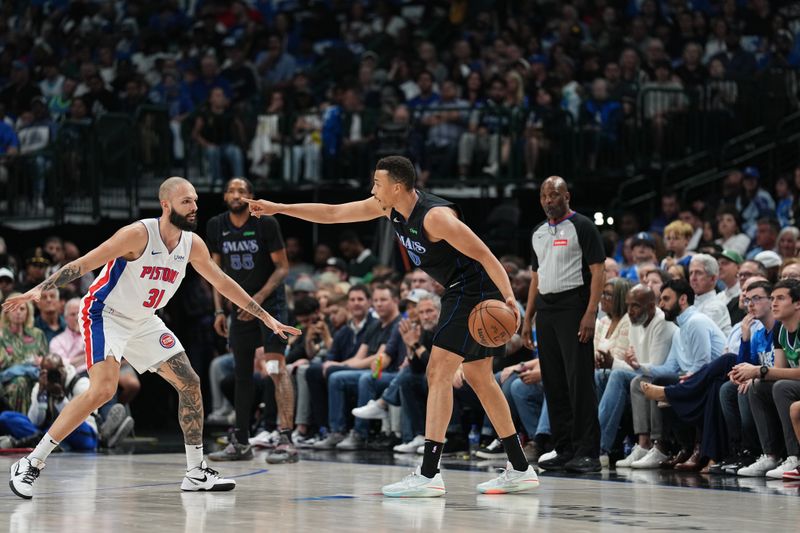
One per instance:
(249, 335)
(452, 332)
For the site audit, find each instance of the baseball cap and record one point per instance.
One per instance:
(643, 238)
(6, 273)
(416, 295)
(304, 285)
(731, 255)
(337, 263)
(38, 257)
(769, 259)
(751, 172)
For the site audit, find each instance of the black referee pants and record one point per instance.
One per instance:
(568, 379)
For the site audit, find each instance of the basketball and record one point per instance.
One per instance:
(492, 323)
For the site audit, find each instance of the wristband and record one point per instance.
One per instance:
(219, 312)
(416, 346)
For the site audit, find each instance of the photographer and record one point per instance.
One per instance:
(57, 385)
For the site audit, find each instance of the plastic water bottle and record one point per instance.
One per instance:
(474, 438)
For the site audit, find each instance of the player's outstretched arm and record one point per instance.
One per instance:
(441, 223)
(129, 240)
(360, 211)
(206, 267)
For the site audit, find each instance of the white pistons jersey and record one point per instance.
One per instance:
(136, 289)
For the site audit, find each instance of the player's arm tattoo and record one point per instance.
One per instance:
(254, 309)
(180, 374)
(61, 277)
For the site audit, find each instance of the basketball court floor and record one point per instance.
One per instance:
(341, 492)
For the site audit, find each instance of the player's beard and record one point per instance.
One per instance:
(181, 222)
(237, 209)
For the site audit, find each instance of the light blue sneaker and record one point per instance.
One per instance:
(416, 485)
(511, 480)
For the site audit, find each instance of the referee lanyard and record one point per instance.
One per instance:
(552, 228)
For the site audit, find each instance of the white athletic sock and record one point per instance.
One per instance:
(194, 455)
(44, 448)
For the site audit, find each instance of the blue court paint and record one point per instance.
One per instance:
(321, 498)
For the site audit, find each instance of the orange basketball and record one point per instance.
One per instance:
(491, 323)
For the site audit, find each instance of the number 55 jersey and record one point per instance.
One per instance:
(117, 316)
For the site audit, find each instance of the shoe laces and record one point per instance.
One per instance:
(30, 474)
(208, 470)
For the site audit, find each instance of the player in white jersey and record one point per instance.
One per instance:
(144, 264)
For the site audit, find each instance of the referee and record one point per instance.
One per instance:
(566, 283)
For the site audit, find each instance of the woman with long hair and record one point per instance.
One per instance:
(22, 347)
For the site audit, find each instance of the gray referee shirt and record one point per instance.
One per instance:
(562, 253)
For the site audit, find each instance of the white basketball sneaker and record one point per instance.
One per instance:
(23, 473)
(416, 485)
(511, 480)
(203, 478)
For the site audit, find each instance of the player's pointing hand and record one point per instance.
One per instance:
(261, 207)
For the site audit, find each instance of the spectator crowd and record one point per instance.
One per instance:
(301, 90)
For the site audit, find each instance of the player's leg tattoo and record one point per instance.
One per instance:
(284, 396)
(180, 374)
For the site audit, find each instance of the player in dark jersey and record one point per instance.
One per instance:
(251, 251)
(438, 242)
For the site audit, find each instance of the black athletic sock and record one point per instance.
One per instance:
(286, 433)
(242, 435)
(430, 459)
(514, 451)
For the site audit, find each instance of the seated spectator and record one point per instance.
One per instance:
(787, 242)
(275, 65)
(697, 341)
(655, 281)
(487, 126)
(669, 212)
(676, 238)
(690, 216)
(445, 126)
(772, 263)
(703, 275)
(784, 198)
(6, 283)
(306, 141)
(611, 333)
(755, 203)
(742, 435)
(774, 388)
(662, 103)
(600, 119)
(427, 96)
(359, 257)
(50, 320)
(650, 340)
(16, 97)
(220, 134)
(404, 340)
(346, 375)
(22, 346)
(209, 79)
(69, 344)
(312, 397)
(239, 72)
(546, 124)
(643, 251)
(34, 137)
(696, 399)
(728, 227)
(9, 148)
(267, 143)
(57, 385)
(790, 270)
(174, 94)
(729, 262)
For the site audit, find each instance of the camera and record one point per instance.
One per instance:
(54, 375)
